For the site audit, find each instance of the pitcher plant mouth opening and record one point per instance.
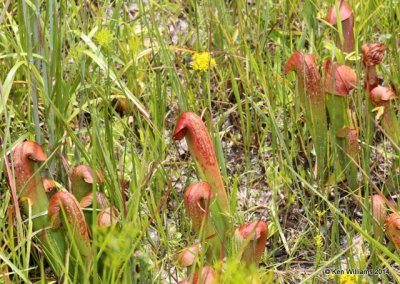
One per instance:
(82, 179)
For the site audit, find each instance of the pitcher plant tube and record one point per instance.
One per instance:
(64, 209)
(26, 158)
(379, 214)
(82, 179)
(313, 101)
(339, 81)
(191, 127)
(346, 22)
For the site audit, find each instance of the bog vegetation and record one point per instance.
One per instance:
(199, 141)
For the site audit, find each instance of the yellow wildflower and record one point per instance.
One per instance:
(348, 279)
(202, 61)
(105, 38)
(318, 241)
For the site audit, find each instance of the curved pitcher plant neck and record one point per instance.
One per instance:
(191, 127)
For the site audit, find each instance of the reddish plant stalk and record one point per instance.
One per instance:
(312, 99)
(255, 234)
(191, 127)
(347, 23)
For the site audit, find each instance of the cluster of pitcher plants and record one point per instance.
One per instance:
(207, 205)
(332, 91)
(64, 232)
